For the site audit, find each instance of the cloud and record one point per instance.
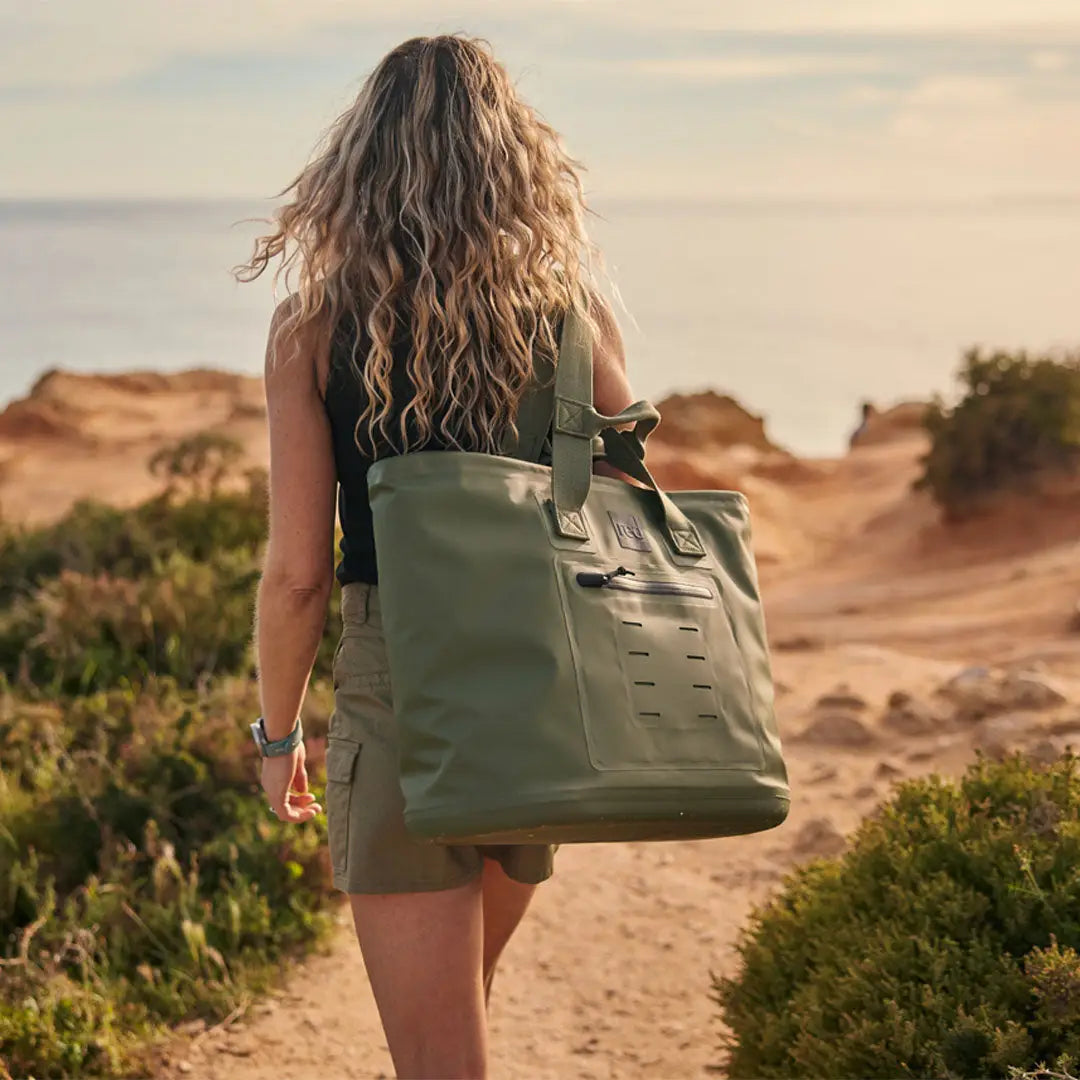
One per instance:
(1051, 60)
(45, 44)
(911, 17)
(836, 98)
(871, 94)
(989, 135)
(76, 43)
(959, 92)
(748, 68)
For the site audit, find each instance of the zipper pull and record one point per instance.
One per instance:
(598, 581)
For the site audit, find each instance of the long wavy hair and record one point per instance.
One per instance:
(439, 204)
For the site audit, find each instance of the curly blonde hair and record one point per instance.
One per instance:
(441, 204)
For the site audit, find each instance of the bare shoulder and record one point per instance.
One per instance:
(297, 351)
(611, 387)
(609, 343)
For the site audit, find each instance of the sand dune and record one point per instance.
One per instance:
(93, 435)
(901, 645)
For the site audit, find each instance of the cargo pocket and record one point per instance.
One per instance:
(360, 654)
(341, 755)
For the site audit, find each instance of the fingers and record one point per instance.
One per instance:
(296, 815)
(285, 782)
(297, 807)
(300, 782)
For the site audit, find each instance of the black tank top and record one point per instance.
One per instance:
(345, 400)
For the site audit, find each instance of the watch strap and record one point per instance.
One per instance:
(276, 747)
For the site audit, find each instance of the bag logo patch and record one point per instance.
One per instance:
(629, 532)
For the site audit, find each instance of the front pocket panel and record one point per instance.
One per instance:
(661, 678)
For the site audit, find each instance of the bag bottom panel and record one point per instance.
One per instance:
(602, 819)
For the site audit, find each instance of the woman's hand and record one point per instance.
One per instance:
(284, 779)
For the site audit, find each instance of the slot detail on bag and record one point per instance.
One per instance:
(669, 642)
(618, 579)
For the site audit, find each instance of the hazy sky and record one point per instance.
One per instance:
(871, 99)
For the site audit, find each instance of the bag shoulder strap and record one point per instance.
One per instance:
(571, 443)
(536, 411)
(574, 374)
(577, 423)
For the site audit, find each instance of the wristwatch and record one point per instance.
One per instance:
(279, 747)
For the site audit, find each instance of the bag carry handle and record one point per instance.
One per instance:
(576, 425)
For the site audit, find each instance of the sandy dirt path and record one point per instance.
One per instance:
(609, 975)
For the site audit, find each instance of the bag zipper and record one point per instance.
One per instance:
(617, 579)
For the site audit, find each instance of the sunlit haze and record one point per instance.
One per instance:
(843, 100)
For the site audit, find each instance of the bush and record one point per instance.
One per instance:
(142, 880)
(78, 633)
(1019, 416)
(105, 597)
(95, 539)
(943, 943)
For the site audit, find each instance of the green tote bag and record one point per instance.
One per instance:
(573, 658)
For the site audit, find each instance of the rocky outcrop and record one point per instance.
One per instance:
(57, 385)
(710, 420)
(65, 408)
(32, 418)
(908, 717)
(837, 721)
(978, 692)
(902, 421)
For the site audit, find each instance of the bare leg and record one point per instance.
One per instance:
(423, 953)
(504, 903)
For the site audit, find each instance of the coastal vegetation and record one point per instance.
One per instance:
(142, 882)
(1017, 422)
(944, 942)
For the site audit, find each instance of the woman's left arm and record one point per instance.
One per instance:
(298, 573)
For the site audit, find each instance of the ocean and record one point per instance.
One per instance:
(799, 310)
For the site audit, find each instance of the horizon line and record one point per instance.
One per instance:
(808, 201)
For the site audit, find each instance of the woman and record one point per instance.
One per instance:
(437, 238)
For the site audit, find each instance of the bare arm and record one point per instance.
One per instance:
(611, 387)
(298, 571)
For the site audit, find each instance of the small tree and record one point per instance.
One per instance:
(1019, 417)
(200, 461)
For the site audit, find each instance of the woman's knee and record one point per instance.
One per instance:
(424, 953)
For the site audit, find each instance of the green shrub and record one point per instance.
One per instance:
(942, 943)
(142, 880)
(1019, 416)
(94, 539)
(78, 633)
(57, 1027)
(106, 597)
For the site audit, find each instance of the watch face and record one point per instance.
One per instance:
(258, 733)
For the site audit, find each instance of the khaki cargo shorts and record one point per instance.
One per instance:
(370, 849)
